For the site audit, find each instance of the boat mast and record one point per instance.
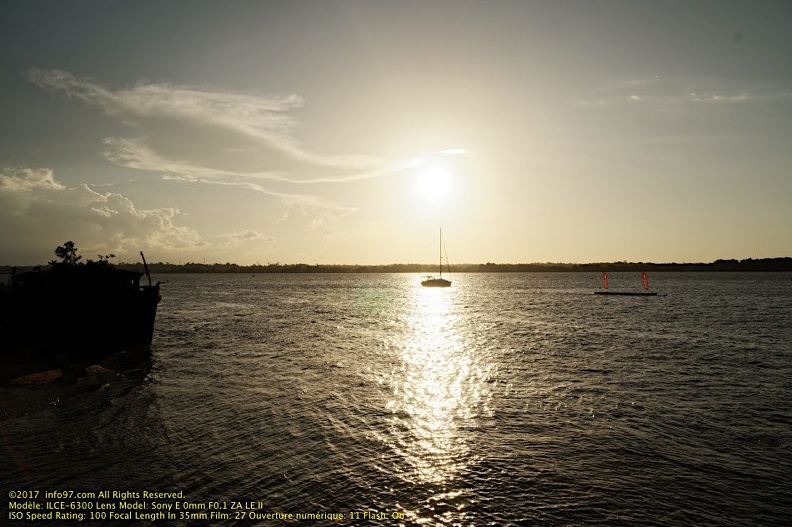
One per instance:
(441, 252)
(145, 266)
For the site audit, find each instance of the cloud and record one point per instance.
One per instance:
(136, 154)
(261, 119)
(26, 179)
(215, 137)
(319, 208)
(35, 207)
(235, 239)
(662, 92)
(720, 97)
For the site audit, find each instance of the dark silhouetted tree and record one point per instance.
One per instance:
(67, 253)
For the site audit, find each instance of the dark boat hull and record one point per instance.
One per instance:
(436, 282)
(37, 336)
(91, 321)
(71, 315)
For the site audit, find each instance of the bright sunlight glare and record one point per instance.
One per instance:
(433, 181)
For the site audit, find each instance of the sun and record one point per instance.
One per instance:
(433, 180)
(435, 176)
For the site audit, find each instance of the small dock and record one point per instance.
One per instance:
(626, 293)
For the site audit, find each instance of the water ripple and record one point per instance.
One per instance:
(508, 399)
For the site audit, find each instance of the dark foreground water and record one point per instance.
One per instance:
(508, 399)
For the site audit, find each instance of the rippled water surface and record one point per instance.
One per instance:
(507, 399)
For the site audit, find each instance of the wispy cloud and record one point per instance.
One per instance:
(713, 97)
(219, 127)
(133, 154)
(319, 209)
(661, 91)
(235, 239)
(137, 154)
(259, 118)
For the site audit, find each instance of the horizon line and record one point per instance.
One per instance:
(416, 264)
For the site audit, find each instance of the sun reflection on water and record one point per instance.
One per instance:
(437, 389)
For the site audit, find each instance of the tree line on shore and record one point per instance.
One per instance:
(750, 264)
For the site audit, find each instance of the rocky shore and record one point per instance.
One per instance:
(29, 382)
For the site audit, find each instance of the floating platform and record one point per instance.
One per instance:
(626, 293)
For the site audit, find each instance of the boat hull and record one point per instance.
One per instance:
(74, 314)
(436, 282)
(94, 320)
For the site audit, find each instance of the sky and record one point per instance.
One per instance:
(351, 132)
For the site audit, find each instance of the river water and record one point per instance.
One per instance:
(507, 399)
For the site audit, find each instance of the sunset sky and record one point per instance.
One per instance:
(333, 131)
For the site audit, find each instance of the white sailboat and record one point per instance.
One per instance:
(435, 281)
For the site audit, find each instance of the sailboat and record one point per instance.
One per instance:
(435, 281)
(645, 292)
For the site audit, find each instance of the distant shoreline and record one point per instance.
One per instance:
(748, 265)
